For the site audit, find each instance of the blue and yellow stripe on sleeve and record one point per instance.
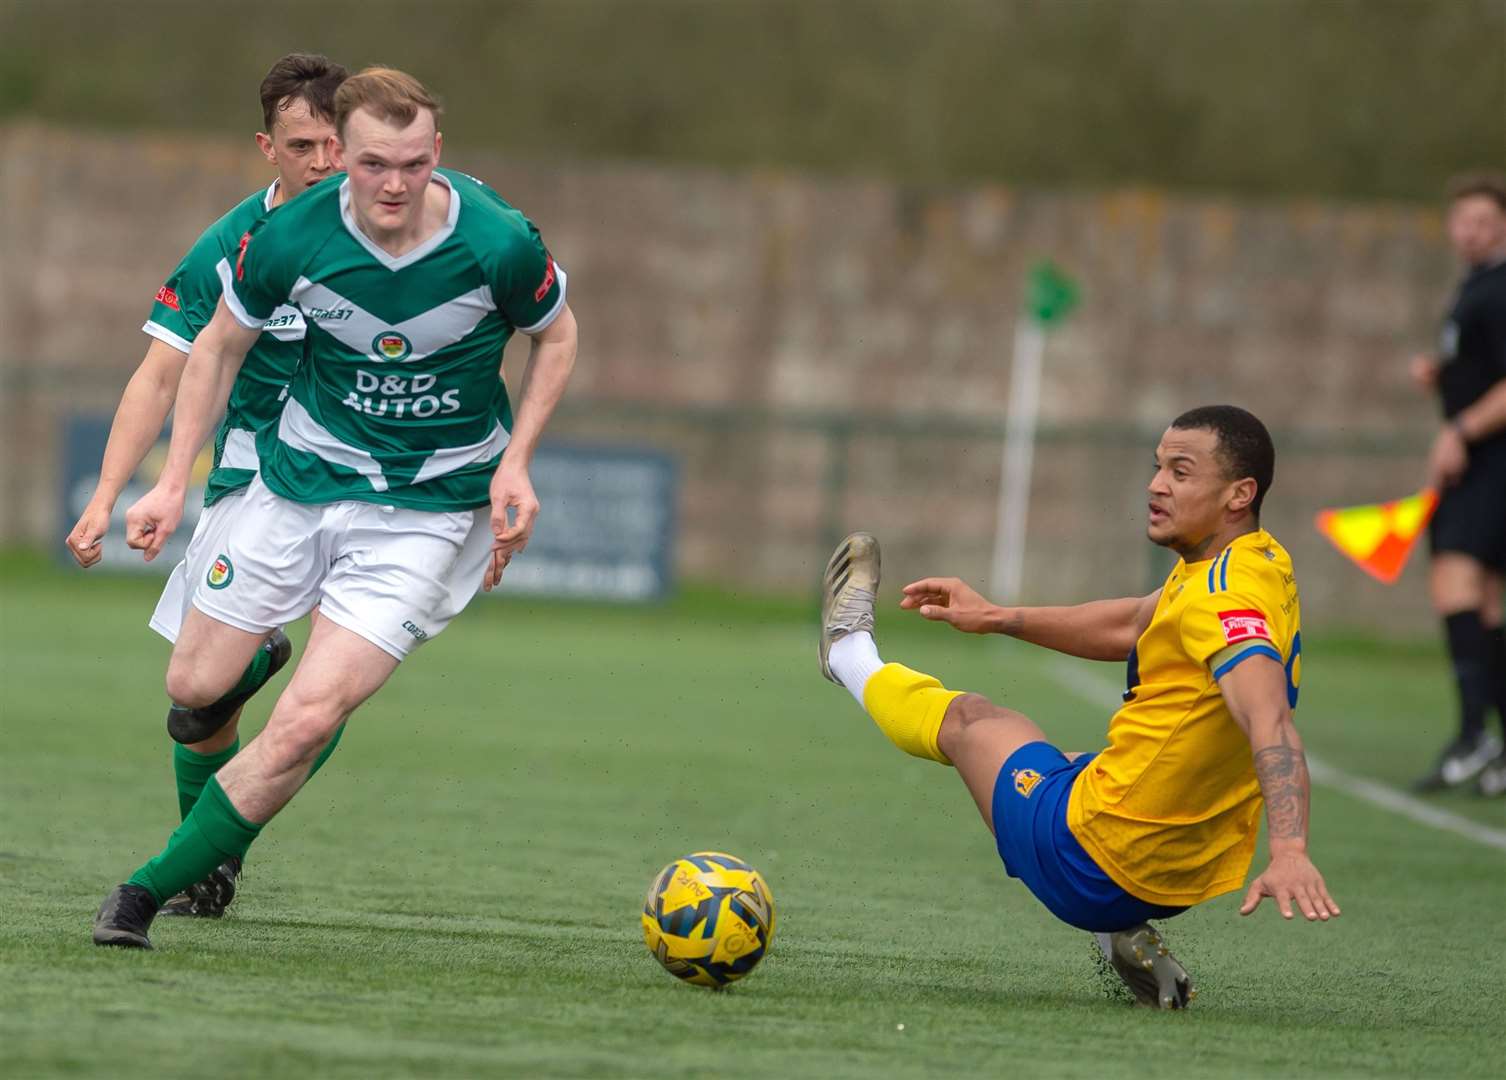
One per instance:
(1230, 657)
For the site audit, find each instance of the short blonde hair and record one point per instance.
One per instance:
(391, 95)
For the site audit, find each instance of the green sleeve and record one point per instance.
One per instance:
(186, 301)
(259, 274)
(529, 287)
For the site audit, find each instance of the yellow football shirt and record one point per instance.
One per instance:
(1171, 809)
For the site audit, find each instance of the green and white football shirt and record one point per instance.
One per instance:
(400, 398)
(185, 304)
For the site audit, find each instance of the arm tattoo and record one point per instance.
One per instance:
(1284, 783)
(1014, 622)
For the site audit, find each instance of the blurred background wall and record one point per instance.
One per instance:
(797, 235)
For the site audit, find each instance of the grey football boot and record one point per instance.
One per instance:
(848, 590)
(1153, 975)
(125, 917)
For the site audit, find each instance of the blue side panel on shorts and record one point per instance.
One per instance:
(1030, 828)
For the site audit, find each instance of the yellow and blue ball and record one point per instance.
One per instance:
(709, 918)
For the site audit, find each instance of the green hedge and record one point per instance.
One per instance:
(1351, 98)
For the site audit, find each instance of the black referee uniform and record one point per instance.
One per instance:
(1471, 516)
(1471, 519)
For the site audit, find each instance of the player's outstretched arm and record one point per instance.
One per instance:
(142, 411)
(550, 361)
(208, 375)
(1255, 691)
(1100, 630)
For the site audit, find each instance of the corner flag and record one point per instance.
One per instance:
(1050, 296)
(1379, 537)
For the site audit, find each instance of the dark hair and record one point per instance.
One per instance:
(306, 77)
(391, 95)
(1244, 445)
(1491, 185)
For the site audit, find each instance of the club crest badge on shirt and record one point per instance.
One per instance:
(391, 345)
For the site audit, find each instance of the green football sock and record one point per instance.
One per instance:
(212, 829)
(213, 832)
(329, 748)
(193, 770)
(254, 675)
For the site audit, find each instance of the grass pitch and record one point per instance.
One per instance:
(457, 893)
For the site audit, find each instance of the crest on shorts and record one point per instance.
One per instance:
(1025, 781)
(221, 572)
(390, 345)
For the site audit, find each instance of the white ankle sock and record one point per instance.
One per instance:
(853, 658)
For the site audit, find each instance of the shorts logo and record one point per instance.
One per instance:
(221, 573)
(1025, 781)
(415, 630)
(168, 298)
(1246, 625)
(548, 283)
(390, 345)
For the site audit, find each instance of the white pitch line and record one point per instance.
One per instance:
(1094, 688)
(1383, 795)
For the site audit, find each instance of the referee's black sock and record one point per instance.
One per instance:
(1496, 642)
(1469, 647)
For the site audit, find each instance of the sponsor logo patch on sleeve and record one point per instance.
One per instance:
(168, 297)
(548, 282)
(1244, 626)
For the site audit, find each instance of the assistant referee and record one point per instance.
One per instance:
(1467, 465)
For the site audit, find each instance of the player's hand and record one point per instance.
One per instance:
(86, 539)
(1448, 458)
(1292, 878)
(1424, 371)
(494, 567)
(950, 600)
(153, 519)
(511, 490)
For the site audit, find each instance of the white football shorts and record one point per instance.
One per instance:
(393, 575)
(207, 541)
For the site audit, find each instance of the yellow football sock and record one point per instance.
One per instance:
(908, 707)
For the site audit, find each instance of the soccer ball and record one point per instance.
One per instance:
(708, 918)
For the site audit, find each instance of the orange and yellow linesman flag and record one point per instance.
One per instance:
(1379, 537)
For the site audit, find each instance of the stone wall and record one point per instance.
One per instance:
(744, 321)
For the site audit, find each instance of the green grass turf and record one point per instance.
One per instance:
(458, 892)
